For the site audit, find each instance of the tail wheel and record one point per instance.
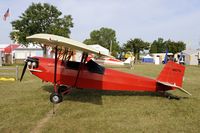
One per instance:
(56, 98)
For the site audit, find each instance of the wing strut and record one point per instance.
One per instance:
(55, 69)
(83, 60)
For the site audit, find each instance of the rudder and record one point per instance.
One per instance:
(172, 73)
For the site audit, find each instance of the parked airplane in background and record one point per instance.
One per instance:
(66, 74)
(105, 60)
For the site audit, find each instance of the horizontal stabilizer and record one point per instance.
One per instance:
(174, 85)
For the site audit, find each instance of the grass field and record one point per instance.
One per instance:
(25, 106)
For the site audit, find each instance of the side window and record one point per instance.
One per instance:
(94, 67)
(73, 65)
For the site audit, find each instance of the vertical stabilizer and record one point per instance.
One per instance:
(172, 73)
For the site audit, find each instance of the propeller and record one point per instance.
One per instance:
(24, 70)
(29, 59)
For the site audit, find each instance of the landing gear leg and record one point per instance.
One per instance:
(64, 90)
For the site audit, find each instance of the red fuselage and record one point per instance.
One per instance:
(109, 80)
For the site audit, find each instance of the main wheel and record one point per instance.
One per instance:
(56, 98)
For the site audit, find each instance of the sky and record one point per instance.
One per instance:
(178, 20)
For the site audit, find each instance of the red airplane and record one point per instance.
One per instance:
(66, 74)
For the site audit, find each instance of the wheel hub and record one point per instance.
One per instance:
(55, 98)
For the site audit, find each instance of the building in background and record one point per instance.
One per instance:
(191, 57)
(22, 52)
(7, 53)
(1, 61)
(2, 47)
(161, 56)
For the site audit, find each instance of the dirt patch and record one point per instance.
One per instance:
(43, 121)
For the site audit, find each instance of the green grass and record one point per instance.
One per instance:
(23, 105)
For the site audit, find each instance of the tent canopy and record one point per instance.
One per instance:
(148, 59)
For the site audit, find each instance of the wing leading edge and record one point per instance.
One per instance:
(55, 40)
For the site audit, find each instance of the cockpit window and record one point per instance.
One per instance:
(94, 67)
(73, 65)
(91, 66)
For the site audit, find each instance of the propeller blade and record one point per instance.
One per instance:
(24, 70)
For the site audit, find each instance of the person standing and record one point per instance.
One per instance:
(132, 61)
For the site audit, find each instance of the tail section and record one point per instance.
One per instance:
(172, 75)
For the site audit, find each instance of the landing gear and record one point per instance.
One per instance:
(63, 89)
(56, 98)
(169, 96)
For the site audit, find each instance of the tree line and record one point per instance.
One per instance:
(46, 18)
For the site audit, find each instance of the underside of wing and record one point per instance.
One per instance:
(55, 40)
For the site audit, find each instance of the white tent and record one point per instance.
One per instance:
(191, 57)
(0, 58)
(148, 58)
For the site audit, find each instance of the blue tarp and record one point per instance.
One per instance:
(147, 59)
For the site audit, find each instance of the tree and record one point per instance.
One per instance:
(105, 37)
(158, 46)
(136, 46)
(40, 18)
(175, 47)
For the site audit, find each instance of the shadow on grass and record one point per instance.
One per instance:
(79, 95)
(95, 96)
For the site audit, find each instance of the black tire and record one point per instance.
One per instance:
(56, 98)
(169, 97)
